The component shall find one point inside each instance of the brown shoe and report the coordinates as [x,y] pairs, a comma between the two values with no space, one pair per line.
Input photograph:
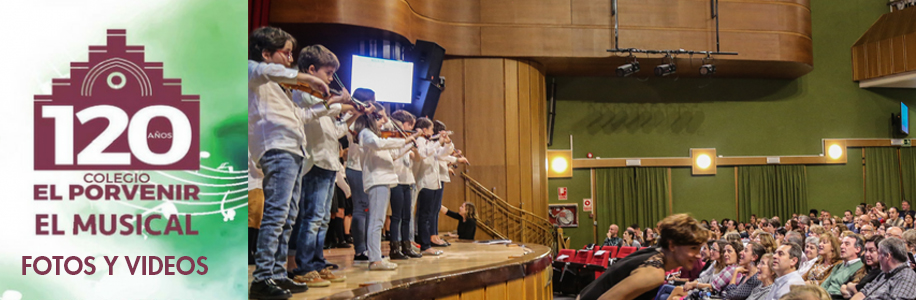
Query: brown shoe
[326,274]
[312,279]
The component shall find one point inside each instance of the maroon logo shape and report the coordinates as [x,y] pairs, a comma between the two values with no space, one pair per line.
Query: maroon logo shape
[117,112]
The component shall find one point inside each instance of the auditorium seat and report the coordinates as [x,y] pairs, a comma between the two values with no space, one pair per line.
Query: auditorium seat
[611,249]
[625,251]
[569,254]
[598,262]
[582,256]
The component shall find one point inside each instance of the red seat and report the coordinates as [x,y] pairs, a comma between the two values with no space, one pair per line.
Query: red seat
[568,252]
[625,251]
[600,259]
[611,249]
[582,256]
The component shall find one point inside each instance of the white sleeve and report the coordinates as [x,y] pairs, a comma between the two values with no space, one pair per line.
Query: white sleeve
[276,72]
[341,126]
[445,153]
[342,183]
[425,148]
[369,141]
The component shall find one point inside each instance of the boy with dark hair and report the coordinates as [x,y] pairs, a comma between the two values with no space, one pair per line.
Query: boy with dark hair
[321,144]
[275,140]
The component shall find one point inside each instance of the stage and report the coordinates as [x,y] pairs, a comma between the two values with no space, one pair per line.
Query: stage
[465,267]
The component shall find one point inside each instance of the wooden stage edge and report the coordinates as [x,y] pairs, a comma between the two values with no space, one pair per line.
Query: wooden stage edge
[467,270]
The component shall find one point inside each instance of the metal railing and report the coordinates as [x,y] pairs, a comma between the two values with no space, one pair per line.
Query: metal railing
[502,220]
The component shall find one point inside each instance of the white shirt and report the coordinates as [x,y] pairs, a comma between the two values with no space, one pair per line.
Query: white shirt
[403,165]
[426,167]
[274,121]
[783,284]
[846,264]
[255,175]
[321,136]
[805,266]
[378,166]
[354,154]
[444,158]
[342,182]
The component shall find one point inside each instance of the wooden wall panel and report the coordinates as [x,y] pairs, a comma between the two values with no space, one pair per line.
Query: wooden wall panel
[524,123]
[898,55]
[513,164]
[534,139]
[531,288]
[499,107]
[452,297]
[525,12]
[910,44]
[542,159]
[763,31]
[478,294]
[497,291]
[516,288]
[461,11]
[485,122]
[452,100]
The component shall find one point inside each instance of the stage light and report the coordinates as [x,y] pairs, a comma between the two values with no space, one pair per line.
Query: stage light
[835,150]
[559,163]
[665,69]
[707,69]
[628,69]
[703,161]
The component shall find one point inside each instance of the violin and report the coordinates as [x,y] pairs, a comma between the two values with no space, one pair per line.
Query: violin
[396,133]
[361,106]
[306,88]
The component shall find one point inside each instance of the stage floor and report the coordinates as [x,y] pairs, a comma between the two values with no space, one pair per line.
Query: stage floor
[459,256]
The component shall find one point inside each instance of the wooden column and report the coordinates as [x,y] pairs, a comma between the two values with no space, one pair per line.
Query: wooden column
[497,109]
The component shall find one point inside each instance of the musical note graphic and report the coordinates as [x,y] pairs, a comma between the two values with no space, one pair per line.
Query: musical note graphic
[167,209]
[227,215]
[225,165]
[213,182]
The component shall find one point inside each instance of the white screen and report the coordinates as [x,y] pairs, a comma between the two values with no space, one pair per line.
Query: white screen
[391,80]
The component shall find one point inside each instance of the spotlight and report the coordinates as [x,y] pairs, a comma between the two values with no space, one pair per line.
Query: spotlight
[665,69]
[707,69]
[628,69]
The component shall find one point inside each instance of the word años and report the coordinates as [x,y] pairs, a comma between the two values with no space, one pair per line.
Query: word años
[147,265]
[159,135]
[109,224]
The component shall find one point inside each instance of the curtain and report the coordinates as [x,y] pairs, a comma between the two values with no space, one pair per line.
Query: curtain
[908,173]
[627,196]
[882,175]
[767,191]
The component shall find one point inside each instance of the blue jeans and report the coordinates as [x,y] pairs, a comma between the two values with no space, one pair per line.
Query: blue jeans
[435,221]
[413,208]
[282,174]
[360,224]
[379,195]
[400,213]
[426,209]
[314,216]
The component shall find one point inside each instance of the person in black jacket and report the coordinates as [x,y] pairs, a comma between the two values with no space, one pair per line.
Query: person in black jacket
[467,219]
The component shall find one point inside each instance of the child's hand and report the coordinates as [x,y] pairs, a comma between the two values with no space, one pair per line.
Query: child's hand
[344,97]
[314,82]
[443,209]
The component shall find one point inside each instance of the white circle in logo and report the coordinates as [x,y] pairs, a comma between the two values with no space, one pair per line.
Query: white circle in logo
[120,84]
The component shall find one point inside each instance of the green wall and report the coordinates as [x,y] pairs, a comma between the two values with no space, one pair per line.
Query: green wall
[663,117]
